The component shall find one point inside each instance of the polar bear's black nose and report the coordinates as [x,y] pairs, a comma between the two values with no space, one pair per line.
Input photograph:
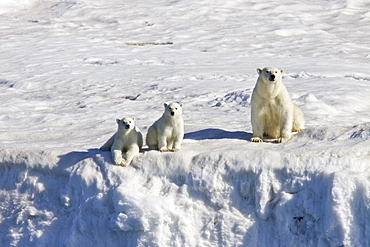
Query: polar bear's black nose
[172,113]
[127,126]
[272,77]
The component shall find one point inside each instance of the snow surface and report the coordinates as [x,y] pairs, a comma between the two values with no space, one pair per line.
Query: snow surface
[70,68]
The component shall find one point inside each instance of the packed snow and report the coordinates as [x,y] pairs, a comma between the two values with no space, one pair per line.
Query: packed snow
[70,68]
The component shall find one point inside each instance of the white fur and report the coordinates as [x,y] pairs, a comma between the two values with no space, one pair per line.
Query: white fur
[167,132]
[126,143]
[273,113]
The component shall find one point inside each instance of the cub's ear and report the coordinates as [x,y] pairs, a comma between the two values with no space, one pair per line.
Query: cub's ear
[181,105]
[165,105]
[282,71]
[117,120]
[259,70]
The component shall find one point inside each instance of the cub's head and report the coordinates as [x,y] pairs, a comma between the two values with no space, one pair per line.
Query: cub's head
[126,123]
[270,74]
[173,109]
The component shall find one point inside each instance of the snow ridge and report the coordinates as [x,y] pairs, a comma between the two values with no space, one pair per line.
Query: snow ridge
[221,198]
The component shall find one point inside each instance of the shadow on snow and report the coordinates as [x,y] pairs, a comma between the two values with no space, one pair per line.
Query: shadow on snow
[214,134]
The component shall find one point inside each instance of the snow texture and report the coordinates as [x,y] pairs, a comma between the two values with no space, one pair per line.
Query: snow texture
[70,68]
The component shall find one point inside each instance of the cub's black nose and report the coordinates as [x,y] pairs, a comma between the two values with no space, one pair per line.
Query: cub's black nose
[272,77]
[172,114]
[127,126]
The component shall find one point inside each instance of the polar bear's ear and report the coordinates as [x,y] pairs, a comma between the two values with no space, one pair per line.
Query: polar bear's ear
[259,71]
[181,105]
[281,71]
[134,118]
[165,105]
[117,120]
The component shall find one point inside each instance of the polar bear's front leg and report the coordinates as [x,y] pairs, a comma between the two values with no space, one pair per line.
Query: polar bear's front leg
[258,124]
[257,135]
[177,143]
[162,143]
[258,127]
[131,153]
[117,157]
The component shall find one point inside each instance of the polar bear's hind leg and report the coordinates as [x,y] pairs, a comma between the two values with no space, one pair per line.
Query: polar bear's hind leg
[298,119]
[152,138]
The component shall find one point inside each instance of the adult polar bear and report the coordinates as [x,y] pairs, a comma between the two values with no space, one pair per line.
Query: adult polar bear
[273,112]
[126,143]
[167,133]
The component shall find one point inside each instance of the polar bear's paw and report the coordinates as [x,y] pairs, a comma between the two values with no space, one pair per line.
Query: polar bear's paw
[123,163]
[175,149]
[256,139]
[165,150]
[282,139]
[279,140]
[297,130]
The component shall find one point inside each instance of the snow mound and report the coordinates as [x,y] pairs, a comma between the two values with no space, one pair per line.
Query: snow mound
[215,198]
[241,98]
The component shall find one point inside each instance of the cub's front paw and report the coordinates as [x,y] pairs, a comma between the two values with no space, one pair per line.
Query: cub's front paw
[123,163]
[297,130]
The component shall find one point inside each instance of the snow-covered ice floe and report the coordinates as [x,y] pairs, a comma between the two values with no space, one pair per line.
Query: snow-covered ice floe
[70,68]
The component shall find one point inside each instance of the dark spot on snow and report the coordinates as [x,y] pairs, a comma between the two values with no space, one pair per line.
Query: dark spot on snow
[147,43]
[298,218]
[361,134]
[131,97]
[148,24]
[31,217]
[7,83]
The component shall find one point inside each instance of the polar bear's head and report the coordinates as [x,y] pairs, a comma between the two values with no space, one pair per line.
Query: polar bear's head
[126,123]
[270,74]
[173,109]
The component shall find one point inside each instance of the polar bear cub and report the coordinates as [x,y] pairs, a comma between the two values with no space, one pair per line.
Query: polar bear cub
[126,143]
[167,133]
[273,112]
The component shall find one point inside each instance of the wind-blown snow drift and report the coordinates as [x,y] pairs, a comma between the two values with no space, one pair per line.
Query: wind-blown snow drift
[70,68]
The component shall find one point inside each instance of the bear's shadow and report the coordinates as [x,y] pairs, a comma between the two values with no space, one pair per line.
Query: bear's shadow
[214,134]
